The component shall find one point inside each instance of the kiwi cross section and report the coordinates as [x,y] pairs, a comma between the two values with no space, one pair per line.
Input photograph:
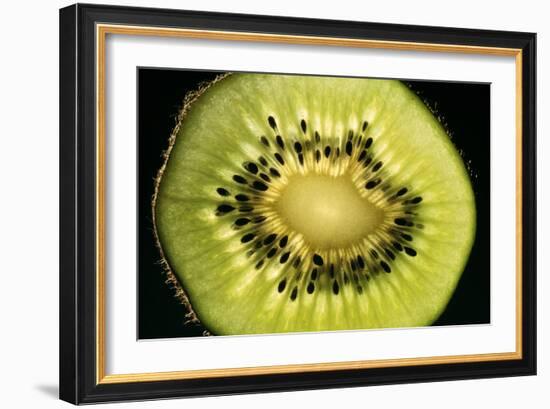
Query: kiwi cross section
[302,203]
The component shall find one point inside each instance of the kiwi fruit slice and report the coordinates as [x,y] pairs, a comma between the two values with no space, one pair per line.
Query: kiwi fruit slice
[304,203]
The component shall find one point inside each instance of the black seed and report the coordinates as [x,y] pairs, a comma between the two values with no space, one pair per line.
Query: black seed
[270,239]
[282,286]
[350,135]
[374,253]
[337,151]
[327,151]
[349,148]
[301,158]
[359,140]
[245,209]
[360,289]
[242,198]
[274,172]
[367,162]
[297,147]
[389,254]
[279,159]
[262,160]
[385,266]
[407,237]
[259,264]
[284,257]
[297,262]
[353,265]
[317,260]
[400,221]
[225,208]
[376,167]
[365,124]
[259,185]
[239,179]
[250,253]
[368,143]
[372,184]
[258,244]
[251,167]
[271,252]
[410,252]
[401,191]
[283,241]
[335,288]
[416,200]
[265,177]
[360,262]
[272,122]
[310,288]
[397,246]
[317,155]
[331,270]
[346,279]
[242,221]
[247,237]
[264,140]
[314,274]
[259,219]
[294,294]
[362,156]
[222,192]
[303,125]
[280,141]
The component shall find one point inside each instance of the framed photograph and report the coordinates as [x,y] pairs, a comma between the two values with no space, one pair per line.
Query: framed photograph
[257,203]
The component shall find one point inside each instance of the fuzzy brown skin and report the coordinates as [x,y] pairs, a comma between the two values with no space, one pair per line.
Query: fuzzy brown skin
[171,279]
[432,106]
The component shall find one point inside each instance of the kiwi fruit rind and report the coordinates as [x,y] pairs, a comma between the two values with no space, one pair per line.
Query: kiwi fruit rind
[303,203]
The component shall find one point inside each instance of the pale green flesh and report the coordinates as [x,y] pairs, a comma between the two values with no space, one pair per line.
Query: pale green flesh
[222,131]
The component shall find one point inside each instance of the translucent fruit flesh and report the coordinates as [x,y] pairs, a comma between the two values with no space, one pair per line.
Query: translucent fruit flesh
[294,203]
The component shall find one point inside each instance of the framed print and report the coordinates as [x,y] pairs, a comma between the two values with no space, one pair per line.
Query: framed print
[253,203]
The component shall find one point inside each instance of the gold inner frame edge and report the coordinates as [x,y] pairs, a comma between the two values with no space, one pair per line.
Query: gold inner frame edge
[101,33]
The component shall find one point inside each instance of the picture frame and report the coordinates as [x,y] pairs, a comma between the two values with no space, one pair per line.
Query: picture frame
[84,281]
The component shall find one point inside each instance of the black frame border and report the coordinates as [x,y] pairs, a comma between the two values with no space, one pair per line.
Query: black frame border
[78,197]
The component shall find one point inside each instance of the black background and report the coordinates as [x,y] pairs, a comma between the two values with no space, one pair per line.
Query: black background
[464,108]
